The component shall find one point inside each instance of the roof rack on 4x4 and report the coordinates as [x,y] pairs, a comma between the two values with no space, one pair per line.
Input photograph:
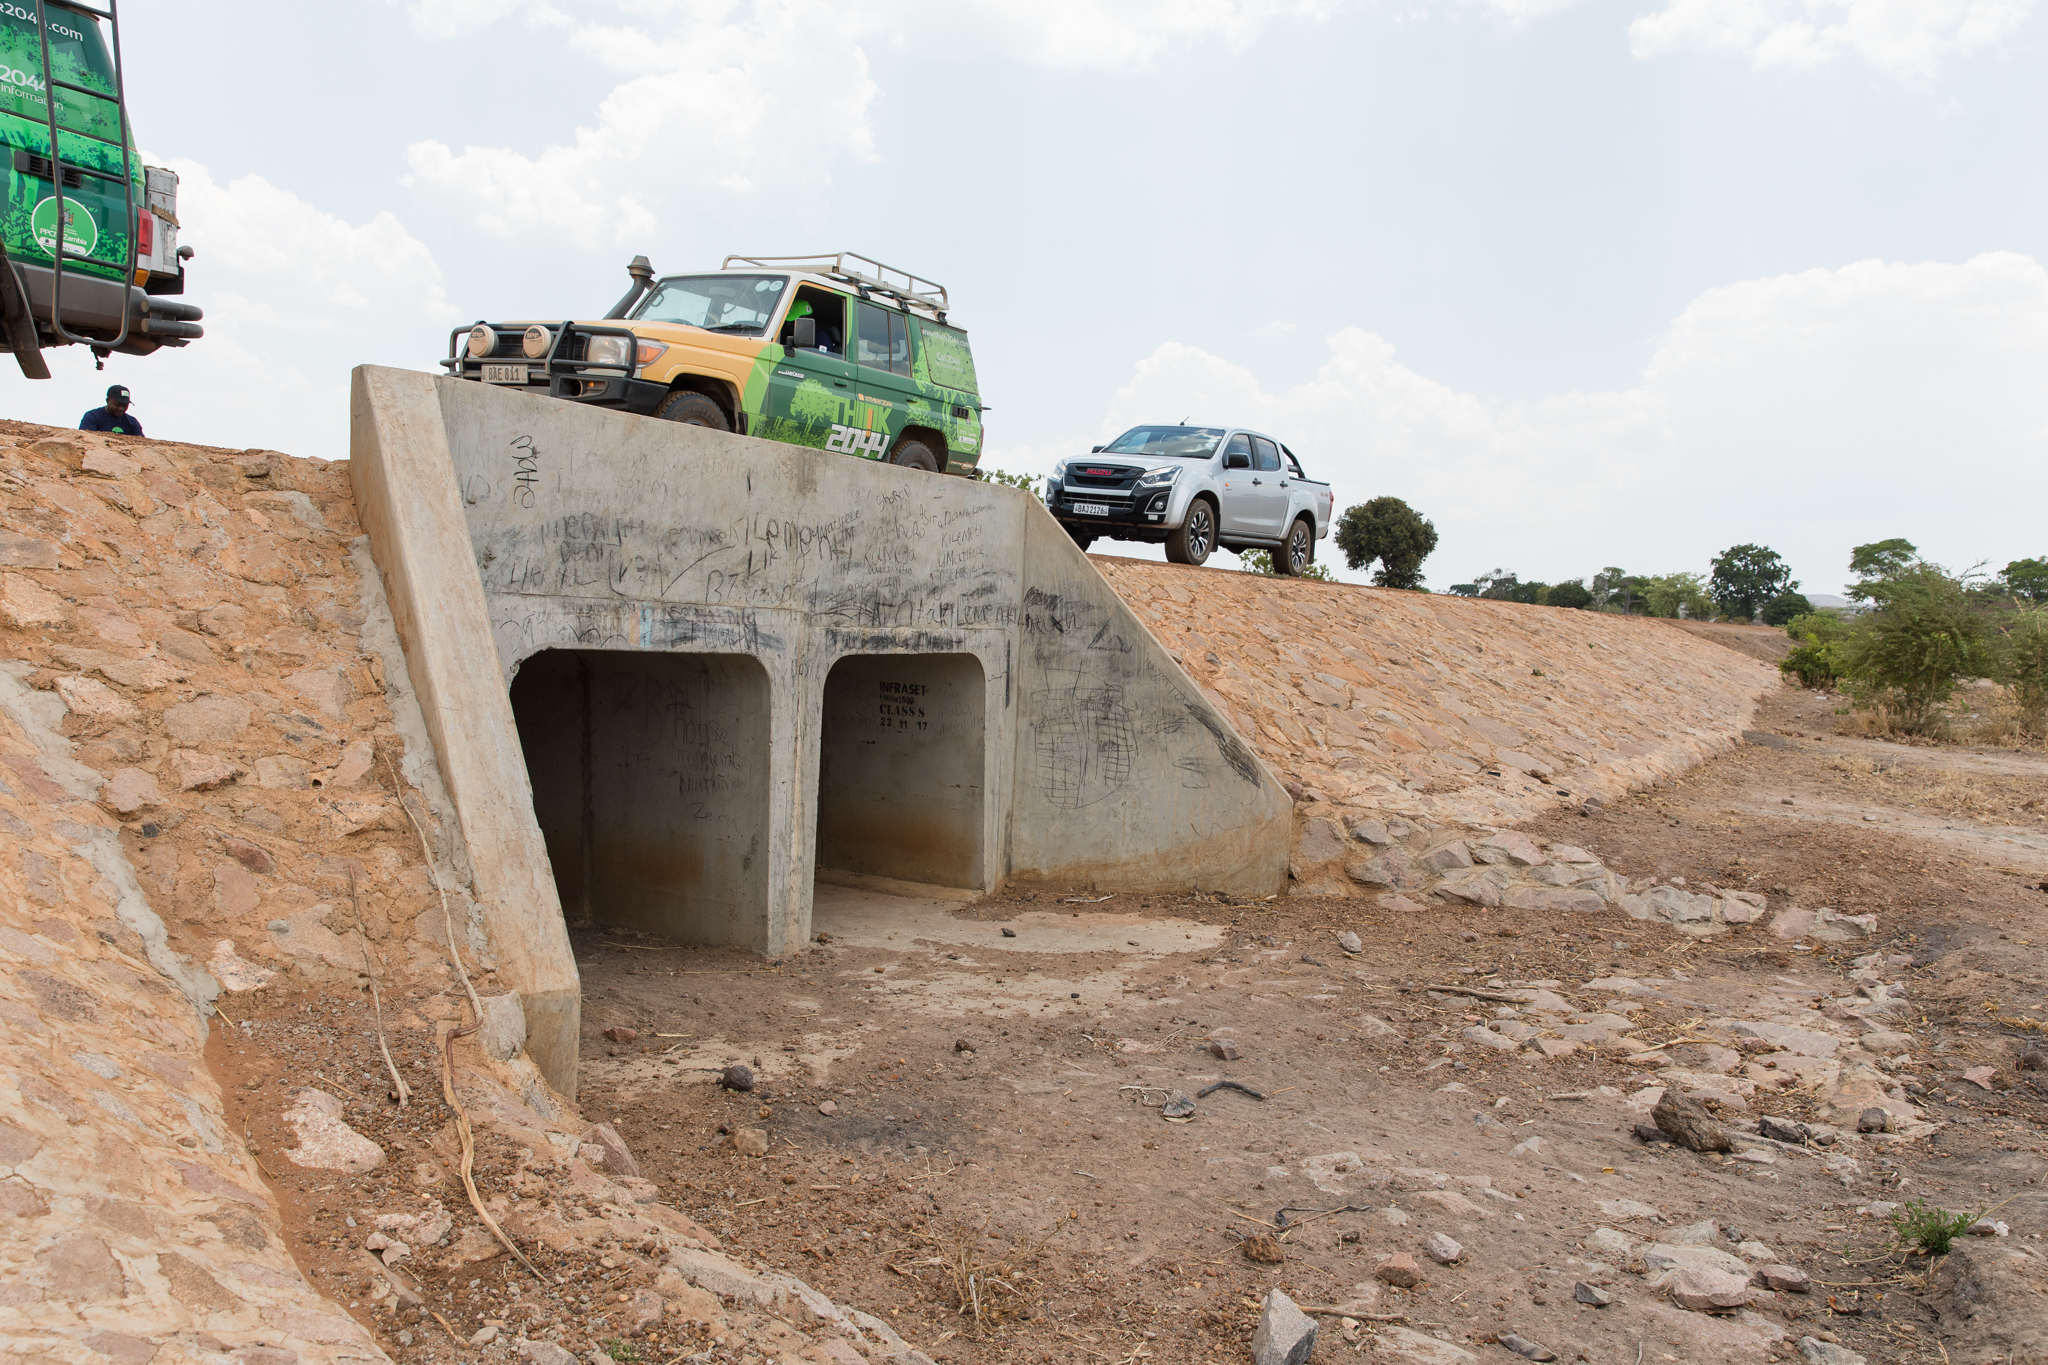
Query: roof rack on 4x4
[912,291]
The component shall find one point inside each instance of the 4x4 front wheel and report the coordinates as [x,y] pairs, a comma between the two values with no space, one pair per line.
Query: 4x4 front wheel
[1298,551]
[1194,538]
[692,409]
[914,454]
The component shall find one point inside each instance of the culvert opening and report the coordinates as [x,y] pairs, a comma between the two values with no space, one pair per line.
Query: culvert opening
[650,779]
[900,757]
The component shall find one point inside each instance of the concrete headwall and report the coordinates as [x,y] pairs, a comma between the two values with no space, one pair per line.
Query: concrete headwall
[509,526]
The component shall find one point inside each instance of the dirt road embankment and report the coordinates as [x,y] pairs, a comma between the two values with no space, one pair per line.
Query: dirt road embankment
[1444,713]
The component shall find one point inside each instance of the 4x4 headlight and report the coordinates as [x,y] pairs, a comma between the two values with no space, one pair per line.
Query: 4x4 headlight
[1160,477]
[609,351]
[534,344]
[483,340]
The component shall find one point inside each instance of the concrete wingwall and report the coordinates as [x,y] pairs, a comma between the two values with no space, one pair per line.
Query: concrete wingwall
[733,627]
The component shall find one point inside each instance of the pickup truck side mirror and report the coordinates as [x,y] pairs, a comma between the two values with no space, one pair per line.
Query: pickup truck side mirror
[1236,459]
[1094,450]
[803,334]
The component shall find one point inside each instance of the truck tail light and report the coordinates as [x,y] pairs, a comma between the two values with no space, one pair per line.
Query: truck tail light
[145,233]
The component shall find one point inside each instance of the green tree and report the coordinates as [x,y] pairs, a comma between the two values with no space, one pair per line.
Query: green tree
[1615,589]
[2026,579]
[1673,595]
[1571,594]
[1879,560]
[1747,576]
[1926,637]
[1785,608]
[1464,590]
[1261,562]
[1027,482]
[1393,533]
[1534,594]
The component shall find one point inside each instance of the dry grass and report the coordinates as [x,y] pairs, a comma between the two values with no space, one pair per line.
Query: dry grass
[1974,796]
[988,1286]
[1981,714]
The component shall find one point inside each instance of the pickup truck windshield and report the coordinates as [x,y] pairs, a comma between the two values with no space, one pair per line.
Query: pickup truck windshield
[739,305]
[1188,443]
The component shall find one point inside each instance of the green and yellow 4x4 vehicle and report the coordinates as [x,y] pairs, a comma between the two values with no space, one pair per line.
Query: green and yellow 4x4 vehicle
[88,235]
[835,352]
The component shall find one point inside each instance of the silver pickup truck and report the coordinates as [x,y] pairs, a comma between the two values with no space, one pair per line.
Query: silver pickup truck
[1194,489]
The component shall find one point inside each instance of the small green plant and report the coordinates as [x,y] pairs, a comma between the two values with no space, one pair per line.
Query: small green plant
[618,1348]
[1934,1230]
[1261,561]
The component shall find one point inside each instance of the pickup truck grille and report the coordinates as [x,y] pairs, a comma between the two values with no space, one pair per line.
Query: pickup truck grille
[1101,477]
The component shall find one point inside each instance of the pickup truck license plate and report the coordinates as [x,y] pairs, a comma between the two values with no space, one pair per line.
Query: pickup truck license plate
[505,374]
[1091,509]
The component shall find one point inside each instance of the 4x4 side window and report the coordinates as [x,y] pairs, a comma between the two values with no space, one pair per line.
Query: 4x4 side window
[827,310]
[1265,455]
[1238,453]
[884,340]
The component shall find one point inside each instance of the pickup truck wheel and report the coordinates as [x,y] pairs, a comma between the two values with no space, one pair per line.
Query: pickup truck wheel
[692,410]
[1293,558]
[1194,538]
[914,455]
[1080,537]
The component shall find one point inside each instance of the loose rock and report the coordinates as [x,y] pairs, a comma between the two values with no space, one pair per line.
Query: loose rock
[1785,1279]
[1874,1120]
[1443,1250]
[1223,1048]
[1710,1291]
[1179,1105]
[1350,942]
[1686,1122]
[1591,1294]
[829,1108]
[737,1077]
[1263,1249]
[1522,1346]
[1286,1335]
[1399,1270]
[1818,1352]
[622,1034]
[750,1141]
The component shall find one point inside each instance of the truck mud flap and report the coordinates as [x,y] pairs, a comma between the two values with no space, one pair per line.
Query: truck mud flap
[19,323]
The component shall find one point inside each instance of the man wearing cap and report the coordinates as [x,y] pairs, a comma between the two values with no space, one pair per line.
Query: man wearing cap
[114,417]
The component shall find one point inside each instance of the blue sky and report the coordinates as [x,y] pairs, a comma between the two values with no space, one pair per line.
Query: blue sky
[1588,283]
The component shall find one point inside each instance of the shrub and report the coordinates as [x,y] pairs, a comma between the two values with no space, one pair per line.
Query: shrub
[1785,608]
[1027,482]
[1818,653]
[1570,594]
[1924,640]
[2023,666]
[1934,1229]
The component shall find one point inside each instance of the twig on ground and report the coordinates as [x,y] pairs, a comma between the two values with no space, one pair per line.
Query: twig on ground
[398,1085]
[1498,997]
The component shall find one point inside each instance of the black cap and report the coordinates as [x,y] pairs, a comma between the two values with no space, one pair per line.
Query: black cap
[117,393]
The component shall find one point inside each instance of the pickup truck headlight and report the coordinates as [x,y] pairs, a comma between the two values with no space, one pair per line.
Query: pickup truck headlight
[1059,473]
[1160,477]
[610,351]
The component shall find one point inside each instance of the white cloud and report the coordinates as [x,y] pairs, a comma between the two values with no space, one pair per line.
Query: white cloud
[761,103]
[1275,328]
[1810,412]
[294,298]
[1908,40]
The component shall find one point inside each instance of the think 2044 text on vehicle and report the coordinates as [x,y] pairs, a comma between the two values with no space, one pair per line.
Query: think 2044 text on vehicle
[836,352]
[1194,490]
[89,235]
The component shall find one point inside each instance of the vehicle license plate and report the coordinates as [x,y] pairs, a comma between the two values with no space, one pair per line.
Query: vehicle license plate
[505,374]
[1091,509]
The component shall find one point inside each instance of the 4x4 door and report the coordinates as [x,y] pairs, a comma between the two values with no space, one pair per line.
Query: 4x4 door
[812,390]
[1262,501]
[883,382]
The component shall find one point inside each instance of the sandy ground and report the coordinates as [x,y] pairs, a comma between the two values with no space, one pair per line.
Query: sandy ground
[942,1099]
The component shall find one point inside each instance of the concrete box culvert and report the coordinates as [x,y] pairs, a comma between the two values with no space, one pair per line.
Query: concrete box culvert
[733,645]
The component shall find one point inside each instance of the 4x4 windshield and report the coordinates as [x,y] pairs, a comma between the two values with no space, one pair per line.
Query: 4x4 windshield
[1188,443]
[741,305]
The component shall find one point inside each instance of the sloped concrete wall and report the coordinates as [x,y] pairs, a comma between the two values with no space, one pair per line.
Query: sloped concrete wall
[510,525]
